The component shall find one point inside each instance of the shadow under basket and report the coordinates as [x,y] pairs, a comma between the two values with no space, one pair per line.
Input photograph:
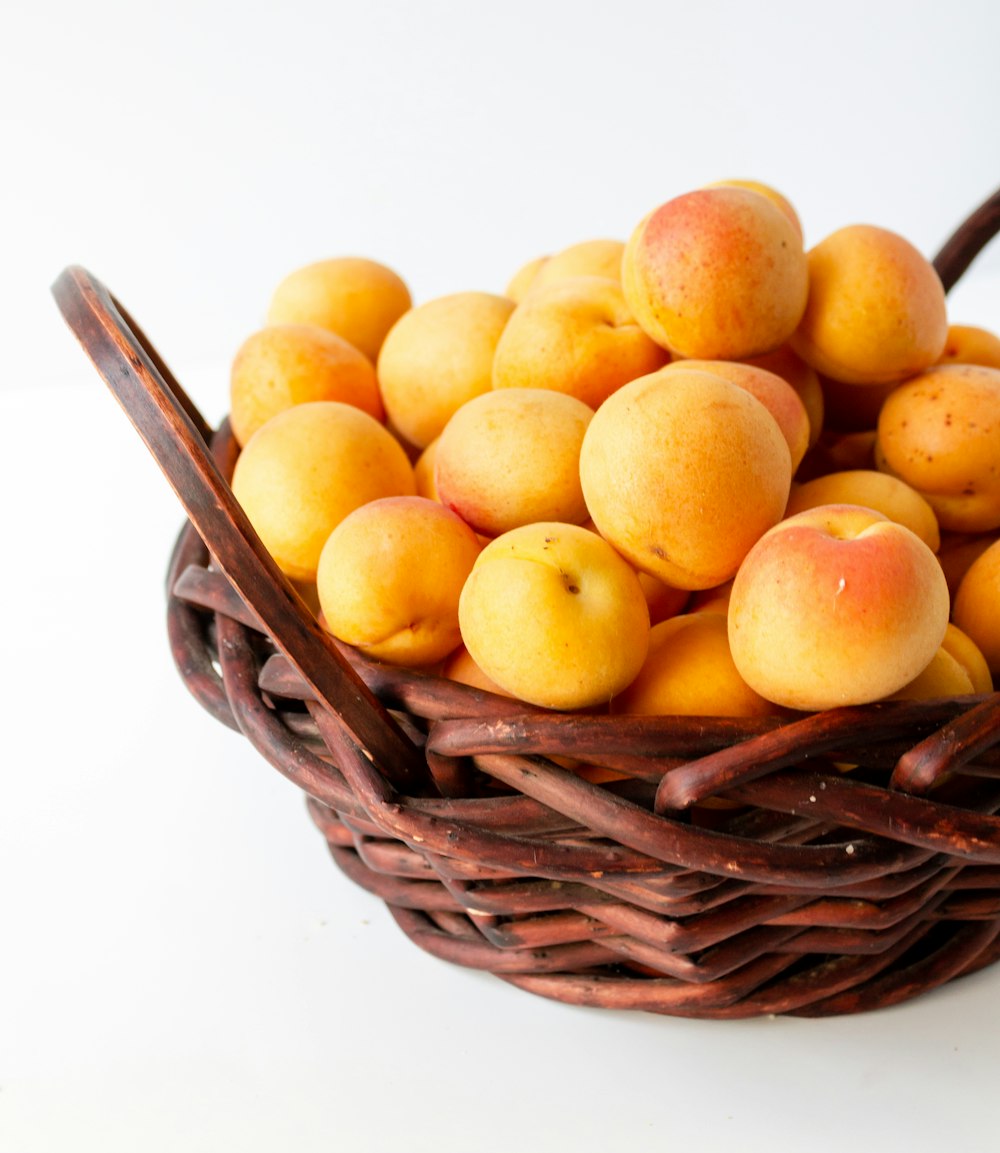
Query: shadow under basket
[812,891]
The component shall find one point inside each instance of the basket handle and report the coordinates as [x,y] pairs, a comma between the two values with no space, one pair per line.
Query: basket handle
[177,436]
[967,241]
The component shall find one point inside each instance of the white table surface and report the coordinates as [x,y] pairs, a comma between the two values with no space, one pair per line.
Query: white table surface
[183,967]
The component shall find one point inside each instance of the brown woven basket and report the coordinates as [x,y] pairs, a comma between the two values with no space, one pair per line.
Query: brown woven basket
[816,893]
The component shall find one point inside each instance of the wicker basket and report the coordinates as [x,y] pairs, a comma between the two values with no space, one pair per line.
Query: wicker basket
[816,893]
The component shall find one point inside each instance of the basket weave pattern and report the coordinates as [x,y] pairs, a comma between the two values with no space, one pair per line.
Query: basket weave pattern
[821,893]
[831,864]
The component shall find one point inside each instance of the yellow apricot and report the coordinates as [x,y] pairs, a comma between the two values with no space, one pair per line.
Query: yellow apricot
[423,472]
[682,472]
[357,298]
[876,309]
[389,578]
[976,610]
[969,344]
[588,258]
[943,677]
[940,432]
[957,552]
[957,669]
[872,489]
[300,474]
[436,357]
[520,283]
[663,600]
[555,616]
[968,654]
[575,336]
[690,672]
[462,668]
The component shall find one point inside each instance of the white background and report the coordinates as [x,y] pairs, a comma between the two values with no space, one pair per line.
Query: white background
[181,967]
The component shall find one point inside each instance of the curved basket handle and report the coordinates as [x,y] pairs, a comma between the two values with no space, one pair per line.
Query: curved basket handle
[967,241]
[177,436]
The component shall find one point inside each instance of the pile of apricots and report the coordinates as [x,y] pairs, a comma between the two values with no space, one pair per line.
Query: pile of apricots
[705,471]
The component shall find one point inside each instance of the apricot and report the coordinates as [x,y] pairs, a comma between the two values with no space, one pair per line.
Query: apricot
[682,472]
[717,274]
[836,606]
[587,258]
[968,654]
[555,616]
[970,344]
[663,600]
[943,677]
[690,672]
[423,472]
[957,669]
[940,432]
[462,668]
[520,283]
[389,578]
[977,606]
[876,310]
[787,364]
[288,364]
[872,489]
[774,393]
[436,357]
[301,473]
[356,298]
[777,199]
[956,553]
[711,600]
[575,336]
[511,457]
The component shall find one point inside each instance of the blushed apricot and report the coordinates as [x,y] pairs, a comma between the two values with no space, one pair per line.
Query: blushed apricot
[787,364]
[512,456]
[836,606]
[773,392]
[287,364]
[717,274]
[777,199]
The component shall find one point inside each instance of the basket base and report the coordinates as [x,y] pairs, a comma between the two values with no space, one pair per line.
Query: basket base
[572,958]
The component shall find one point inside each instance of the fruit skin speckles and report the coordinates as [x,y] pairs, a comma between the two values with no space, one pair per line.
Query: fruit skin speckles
[717,274]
